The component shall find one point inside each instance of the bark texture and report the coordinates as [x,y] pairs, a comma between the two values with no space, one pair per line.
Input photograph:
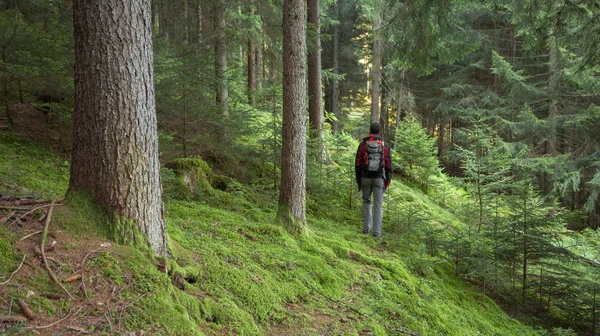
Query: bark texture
[335,87]
[315,90]
[251,72]
[222,94]
[115,141]
[292,197]
[376,71]
[553,108]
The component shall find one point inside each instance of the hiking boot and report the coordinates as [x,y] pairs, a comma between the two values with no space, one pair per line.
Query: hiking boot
[365,231]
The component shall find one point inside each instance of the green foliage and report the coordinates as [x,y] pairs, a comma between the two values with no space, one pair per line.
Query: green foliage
[415,153]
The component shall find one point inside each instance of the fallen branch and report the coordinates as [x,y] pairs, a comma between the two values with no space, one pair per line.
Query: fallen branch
[37,208]
[42,248]
[12,319]
[13,273]
[21,202]
[30,235]
[591,262]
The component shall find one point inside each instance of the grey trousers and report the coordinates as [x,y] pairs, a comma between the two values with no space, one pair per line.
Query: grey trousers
[372,218]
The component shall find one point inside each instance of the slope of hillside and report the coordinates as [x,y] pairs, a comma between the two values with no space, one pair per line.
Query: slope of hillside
[234,271]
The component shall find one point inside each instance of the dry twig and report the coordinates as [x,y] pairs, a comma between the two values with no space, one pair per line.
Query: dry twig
[38,208]
[30,235]
[54,323]
[7,217]
[42,247]
[13,273]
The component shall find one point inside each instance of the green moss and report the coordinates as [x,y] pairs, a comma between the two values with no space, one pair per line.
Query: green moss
[235,271]
[27,168]
[221,182]
[192,173]
[7,255]
[109,265]
[41,305]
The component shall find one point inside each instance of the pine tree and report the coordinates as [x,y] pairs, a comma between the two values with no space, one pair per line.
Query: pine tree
[115,141]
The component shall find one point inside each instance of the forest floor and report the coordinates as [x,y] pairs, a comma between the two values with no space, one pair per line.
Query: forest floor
[233,270]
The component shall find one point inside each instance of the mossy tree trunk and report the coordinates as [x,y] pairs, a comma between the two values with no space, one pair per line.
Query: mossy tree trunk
[292,196]
[115,141]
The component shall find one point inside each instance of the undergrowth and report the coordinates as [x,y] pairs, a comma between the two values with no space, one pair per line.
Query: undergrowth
[234,271]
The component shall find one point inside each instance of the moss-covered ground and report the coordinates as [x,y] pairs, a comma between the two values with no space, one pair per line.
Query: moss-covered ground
[233,270]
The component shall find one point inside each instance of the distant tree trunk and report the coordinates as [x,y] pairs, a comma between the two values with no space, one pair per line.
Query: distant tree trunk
[335,87]
[441,139]
[376,72]
[553,76]
[258,60]
[115,139]
[9,117]
[384,112]
[251,72]
[315,91]
[292,196]
[199,23]
[525,251]
[220,41]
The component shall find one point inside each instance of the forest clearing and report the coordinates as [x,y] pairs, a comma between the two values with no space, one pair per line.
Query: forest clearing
[187,167]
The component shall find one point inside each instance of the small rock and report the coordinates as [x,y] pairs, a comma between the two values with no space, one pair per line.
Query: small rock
[30,293]
[105,245]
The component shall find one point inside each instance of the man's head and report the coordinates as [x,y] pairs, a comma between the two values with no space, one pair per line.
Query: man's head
[375,128]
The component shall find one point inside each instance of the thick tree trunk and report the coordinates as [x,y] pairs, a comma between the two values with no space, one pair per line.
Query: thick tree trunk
[222,94]
[335,87]
[292,196]
[376,71]
[251,72]
[315,90]
[115,141]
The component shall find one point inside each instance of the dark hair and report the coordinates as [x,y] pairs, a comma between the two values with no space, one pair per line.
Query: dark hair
[375,128]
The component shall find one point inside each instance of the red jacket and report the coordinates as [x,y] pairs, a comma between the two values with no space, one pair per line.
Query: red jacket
[359,166]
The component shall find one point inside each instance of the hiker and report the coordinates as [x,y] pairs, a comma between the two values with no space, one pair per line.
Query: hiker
[373,167]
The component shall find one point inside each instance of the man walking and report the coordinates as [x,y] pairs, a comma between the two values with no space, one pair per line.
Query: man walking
[373,167]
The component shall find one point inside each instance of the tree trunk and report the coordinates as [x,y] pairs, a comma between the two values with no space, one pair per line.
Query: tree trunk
[376,72]
[525,251]
[115,140]
[258,60]
[553,76]
[335,86]
[251,72]
[292,198]
[222,94]
[315,93]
